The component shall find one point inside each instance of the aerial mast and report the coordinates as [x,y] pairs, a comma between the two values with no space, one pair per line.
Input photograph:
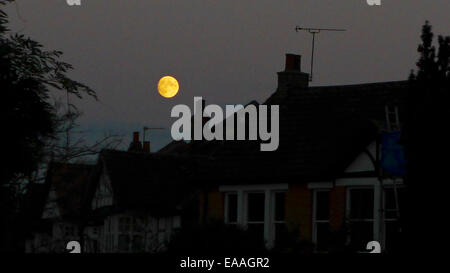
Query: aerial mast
[315,31]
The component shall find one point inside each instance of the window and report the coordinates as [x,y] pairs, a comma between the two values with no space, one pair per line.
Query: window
[177,222]
[138,224]
[361,217]
[131,234]
[70,231]
[392,230]
[161,224]
[255,213]
[137,243]
[321,219]
[124,224]
[259,208]
[231,208]
[281,232]
[124,242]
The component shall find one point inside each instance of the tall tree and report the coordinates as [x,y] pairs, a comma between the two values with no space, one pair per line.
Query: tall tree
[35,126]
[28,74]
[426,136]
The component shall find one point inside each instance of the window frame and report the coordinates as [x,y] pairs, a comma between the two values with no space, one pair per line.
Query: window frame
[315,221]
[375,213]
[242,203]
[227,208]
[273,208]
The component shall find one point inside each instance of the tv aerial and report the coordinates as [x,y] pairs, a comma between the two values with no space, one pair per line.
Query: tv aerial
[145,128]
[315,31]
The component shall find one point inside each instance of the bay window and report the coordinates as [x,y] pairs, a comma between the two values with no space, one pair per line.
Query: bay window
[258,208]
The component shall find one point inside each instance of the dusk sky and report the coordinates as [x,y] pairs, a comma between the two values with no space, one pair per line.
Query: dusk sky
[226,51]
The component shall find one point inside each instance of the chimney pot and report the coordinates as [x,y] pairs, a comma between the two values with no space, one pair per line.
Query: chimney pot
[135,145]
[293,62]
[135,136]
[146,147]
[292,78]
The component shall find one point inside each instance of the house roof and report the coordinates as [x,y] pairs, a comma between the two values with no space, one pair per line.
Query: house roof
[69,182]
[159,183]
[322,130]
[174,147]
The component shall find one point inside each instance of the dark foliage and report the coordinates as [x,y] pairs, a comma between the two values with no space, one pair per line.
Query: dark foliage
[426,136]
[28,74]
[216,239]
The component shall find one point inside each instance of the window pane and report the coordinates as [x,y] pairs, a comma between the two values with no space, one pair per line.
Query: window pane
[280,206]
[124,241]
[232,208]
[161,224]
[137,243]
[322,205]
[256,207]
[323,235]
[389,202]
[138,224]
[124,224]
[361,204]
[361,234]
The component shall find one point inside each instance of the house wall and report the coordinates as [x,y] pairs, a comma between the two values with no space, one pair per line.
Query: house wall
[299,210]
[299,202]
[214,205]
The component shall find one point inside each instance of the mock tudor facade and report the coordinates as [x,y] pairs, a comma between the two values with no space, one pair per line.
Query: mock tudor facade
[134,205]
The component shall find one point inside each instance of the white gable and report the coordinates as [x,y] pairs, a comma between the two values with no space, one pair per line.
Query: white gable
[103,194]
[363,162]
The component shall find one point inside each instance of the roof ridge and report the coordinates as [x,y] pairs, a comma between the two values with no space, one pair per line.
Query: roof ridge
[359,84]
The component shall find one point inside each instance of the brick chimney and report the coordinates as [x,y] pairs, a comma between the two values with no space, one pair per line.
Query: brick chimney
[135,145]
[292,77]
[146,147]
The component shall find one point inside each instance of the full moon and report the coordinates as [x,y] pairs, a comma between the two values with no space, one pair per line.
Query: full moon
[168,86]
